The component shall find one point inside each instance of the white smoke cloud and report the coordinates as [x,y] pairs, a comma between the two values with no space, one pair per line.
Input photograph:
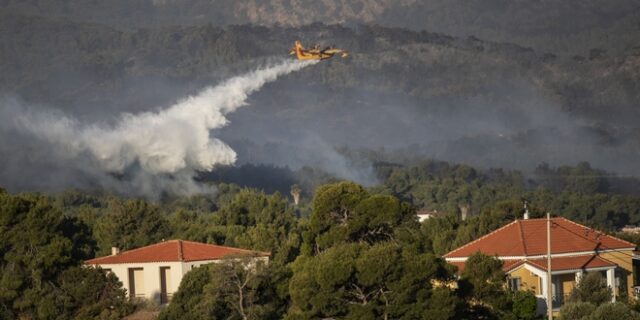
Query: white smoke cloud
[172,143]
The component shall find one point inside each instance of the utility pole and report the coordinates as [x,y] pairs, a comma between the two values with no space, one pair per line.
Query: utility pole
[549,289]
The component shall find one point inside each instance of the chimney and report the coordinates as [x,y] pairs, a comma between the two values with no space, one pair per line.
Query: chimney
[115,251]
[526,211]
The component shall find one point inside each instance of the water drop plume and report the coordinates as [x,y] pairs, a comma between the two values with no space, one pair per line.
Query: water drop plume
[175,142]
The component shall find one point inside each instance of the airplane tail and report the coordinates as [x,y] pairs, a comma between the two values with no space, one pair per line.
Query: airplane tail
[298,48]
[294,49]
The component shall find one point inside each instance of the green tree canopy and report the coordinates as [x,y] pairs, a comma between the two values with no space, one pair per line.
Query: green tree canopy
[249,208]
[591,288]
[90,293]
[40,250]
[614,310]
[483,281]
[524,305]
[231,289]
[131,224]
[578,310]
[345,212]
[363,281]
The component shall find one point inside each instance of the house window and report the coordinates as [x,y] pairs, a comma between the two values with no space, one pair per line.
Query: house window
[514,284]
[621,281]
[165,282]
[136,283]
[636,272]
[540,285]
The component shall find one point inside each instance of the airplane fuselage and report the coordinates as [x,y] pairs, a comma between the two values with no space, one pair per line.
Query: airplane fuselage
[316,54]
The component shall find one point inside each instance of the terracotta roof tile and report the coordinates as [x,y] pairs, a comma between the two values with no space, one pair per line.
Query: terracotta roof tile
[510,264]
[506,264]
[528,238]
[557,264]
[175,250]
[572,263]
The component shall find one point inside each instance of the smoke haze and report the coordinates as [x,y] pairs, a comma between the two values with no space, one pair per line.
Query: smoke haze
[401,95]
[144,153]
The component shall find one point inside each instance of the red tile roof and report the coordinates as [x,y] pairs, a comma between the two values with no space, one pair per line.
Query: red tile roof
[529,238]
[571,263]
[175,250]
[557,264]
[510,264]
[506,265]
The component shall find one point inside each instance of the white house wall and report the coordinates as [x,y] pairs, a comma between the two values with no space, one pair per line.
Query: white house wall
[192,264]
[187,266]
[151,272]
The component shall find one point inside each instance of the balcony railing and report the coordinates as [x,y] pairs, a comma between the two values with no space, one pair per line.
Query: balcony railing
[558,301]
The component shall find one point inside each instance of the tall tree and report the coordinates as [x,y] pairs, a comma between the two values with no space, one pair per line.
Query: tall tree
[40,250]
[131,224]
[362,281]
[355,265]
[90,293]
[482,281]
[591,288]
[236,288]
[345,212]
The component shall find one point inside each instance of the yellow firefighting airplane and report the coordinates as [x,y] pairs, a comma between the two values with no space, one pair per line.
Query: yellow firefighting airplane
[315,53]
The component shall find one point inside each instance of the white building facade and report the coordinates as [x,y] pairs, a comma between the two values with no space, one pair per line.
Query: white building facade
[154,272]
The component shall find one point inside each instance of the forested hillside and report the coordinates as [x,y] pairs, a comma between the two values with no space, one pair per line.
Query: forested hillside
[465,100]
[566,27]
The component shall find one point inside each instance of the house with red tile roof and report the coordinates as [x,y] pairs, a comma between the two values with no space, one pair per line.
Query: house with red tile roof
[575,249]
[154,272]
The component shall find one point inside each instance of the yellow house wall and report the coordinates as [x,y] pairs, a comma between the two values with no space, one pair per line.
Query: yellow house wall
[528,280]
[624,261]
[568,282]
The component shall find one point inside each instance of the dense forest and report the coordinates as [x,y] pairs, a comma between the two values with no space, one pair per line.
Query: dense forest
[374,260]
